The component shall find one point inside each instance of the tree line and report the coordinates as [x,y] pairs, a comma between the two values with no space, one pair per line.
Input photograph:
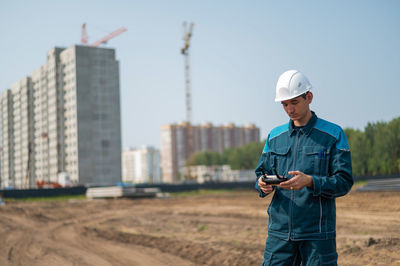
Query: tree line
[374,151]
[244,157]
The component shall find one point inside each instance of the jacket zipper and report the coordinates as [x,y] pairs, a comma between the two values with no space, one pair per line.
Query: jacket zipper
[292,192]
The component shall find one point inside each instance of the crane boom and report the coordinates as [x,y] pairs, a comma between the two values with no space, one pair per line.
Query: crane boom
[109,36]
[187,34]
[84,37]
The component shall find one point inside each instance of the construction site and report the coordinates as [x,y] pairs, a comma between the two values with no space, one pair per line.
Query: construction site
[220,228]
[63,200]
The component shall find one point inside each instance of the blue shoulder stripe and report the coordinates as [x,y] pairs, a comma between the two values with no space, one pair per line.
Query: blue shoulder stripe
[333,130]
[279,130]
[266,147]
[275,133]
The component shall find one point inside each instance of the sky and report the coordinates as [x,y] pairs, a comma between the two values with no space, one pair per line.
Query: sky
[349,50]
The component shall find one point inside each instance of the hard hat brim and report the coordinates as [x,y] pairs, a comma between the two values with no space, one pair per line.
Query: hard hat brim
[290,97]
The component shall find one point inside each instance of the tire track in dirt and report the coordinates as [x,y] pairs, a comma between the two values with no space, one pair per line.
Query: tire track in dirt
[38,239]
[200,254]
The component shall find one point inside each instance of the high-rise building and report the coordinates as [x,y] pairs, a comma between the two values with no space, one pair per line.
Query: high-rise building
[141,165]
[180,141]
[64,117]
[7,157]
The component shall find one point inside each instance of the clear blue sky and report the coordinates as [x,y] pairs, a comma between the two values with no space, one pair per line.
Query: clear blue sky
[350,51]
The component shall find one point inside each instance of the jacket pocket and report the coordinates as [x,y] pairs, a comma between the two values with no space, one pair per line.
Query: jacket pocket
[279,159]
[315,160]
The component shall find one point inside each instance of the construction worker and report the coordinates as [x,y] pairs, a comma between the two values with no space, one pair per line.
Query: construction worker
[314,155]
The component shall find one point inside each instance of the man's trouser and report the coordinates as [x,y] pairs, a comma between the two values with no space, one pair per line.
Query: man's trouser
[304,252]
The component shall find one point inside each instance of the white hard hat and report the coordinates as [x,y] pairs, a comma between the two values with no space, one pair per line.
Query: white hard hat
[291,84]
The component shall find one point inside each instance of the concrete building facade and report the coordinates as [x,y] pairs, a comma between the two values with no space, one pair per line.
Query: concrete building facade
[7,156]
[141,165]
[65,117]
[180,141]
[22,118]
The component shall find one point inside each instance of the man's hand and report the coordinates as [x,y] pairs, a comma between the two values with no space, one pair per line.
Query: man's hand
[266,188]
[298,181]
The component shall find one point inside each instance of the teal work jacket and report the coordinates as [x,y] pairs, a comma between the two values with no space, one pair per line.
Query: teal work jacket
[318,149]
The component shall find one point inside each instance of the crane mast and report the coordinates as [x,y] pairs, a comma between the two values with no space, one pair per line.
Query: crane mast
[187,34]
[84,39]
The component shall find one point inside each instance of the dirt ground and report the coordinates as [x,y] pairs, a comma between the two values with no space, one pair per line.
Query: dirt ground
[226,228]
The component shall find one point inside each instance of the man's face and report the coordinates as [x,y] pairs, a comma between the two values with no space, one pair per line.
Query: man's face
[298,108]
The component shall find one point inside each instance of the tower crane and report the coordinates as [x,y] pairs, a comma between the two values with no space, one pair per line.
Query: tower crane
[84,39]
[187,34]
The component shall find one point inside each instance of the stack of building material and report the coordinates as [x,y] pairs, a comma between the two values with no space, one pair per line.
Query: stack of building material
[392,184]
[122,192]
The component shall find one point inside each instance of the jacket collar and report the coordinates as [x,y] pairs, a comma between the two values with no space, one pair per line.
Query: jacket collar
[307,128]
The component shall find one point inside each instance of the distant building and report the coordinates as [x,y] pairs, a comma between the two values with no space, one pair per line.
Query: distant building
[141,165]
[180,141]
[64,117]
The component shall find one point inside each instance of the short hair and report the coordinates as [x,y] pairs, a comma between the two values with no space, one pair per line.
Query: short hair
[304,95]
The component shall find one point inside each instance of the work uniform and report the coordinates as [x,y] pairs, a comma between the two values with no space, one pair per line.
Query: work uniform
[302,220]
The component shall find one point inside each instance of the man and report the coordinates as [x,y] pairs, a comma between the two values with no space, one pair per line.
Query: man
[314,155]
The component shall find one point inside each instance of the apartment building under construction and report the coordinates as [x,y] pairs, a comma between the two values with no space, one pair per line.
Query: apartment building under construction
[64,117]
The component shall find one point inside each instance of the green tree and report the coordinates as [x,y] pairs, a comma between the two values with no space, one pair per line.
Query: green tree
[204,158]
[244,157]
[359,151]
[382,147]
[393,139]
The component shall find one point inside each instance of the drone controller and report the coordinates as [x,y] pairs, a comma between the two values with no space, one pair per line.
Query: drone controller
[273,179]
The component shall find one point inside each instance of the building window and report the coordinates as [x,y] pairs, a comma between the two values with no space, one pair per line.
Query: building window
[105,144]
